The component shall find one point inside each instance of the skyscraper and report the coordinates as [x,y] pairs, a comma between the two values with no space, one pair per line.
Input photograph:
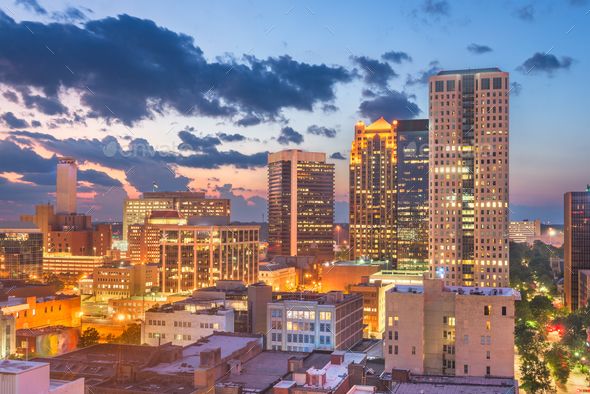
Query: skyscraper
[300,204]
[576,247]
[21,250]
[373,191]
[412,193]
[65,195]
[468,179]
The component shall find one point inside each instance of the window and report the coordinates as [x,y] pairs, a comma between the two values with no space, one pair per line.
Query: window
[452,321]
[439,86]
[482,340]
[450,86]
[395,336]
[413,350]
[395,349]
[390,335]
[488,355]
[465,368]
[390,321]
[488,370]
[497,83]
[485,83]
[487,309]
[503,311]
[390,349]
[488,325]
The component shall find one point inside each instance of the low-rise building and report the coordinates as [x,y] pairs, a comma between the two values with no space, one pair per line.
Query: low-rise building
[27,377]
[7,335]
[450,330]
[134,308]
[280,276]
[124,280]
[185,322]
[340,275]
[307,321]
[373,294]
[47,341]
[36,312]
[68,264]
[524,231]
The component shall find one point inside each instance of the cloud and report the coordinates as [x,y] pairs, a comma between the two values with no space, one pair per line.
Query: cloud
[13,158]
[35,123]
[392,105]
[515,88]
[545,63]
[526,12]
[422,77]
[288,136]
[329,108]
[10,96]
[155,70]
[231,137]
[374,72]
[13,122]
[192,142]
[33,6]
[70,15]
[322,131]
[249,120]
[396,57]
[478,49]
[243,209]
[98,178]
[337,156]
[46,105]
[436,8]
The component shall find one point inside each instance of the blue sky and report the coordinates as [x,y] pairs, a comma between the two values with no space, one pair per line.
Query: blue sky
[75,82]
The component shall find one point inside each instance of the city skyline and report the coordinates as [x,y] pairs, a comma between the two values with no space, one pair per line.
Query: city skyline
[123,126]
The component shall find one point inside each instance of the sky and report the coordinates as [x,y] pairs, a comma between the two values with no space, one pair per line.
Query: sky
[193,95]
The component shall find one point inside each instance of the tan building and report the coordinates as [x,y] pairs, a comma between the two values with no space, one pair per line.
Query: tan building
[449,330]
[66,264]
[66,184]
[124,280]
[524,231]
[468,179]
[373,191]
[189,204]
[373,306]
[280,276]
[300,204]
[37,312]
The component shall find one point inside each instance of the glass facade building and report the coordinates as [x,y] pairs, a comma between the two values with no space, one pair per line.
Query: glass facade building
[576,250]
[412,194]
[21,251]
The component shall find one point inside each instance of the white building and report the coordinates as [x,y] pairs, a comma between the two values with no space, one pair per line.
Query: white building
[7,335]
[28,377]
[185,322]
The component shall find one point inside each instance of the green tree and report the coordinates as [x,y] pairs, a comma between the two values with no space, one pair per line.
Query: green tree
[535,375]
[89,337]
[131,335]
[558,360]
[541,308]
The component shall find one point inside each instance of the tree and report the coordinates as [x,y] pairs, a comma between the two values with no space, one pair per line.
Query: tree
[89,337]
[536,377]
[558,360]
[131,335]
[541,308]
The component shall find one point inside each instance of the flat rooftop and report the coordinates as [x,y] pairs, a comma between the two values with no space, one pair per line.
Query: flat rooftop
[15,367]
[462,290]
[191,354]
[335,373]
[455,384]
[468,71]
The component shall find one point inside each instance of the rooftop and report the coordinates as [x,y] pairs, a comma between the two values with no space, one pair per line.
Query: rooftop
[379,125]
[470,71]
[462,290]
[18,225]
[430,384]
[335,373]
[17,366]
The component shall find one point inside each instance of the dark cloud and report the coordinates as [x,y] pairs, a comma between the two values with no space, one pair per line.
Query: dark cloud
[322,131]
[422,77]
[249,120]
[391,105]
[13,122]
[329,108]
[337,156]
[374,72]
[436,8]
[13,158]
[154,70]
[231,137]
[244,209]
[288,136]
[396,57]
[70,15]
[46,105]
[98,178]
[526,12]
[36,123]
[545,63]
[33,6]
[10,96]
[515,88]
[478,49]
[194,143]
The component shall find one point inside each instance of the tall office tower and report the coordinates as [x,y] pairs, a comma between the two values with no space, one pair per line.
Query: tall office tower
[373,191]
[468,178]
[189,204]
[300,204]
[576,248]
[65,195]
[412,194]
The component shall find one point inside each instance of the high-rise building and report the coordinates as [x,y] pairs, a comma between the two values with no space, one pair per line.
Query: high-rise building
[468,178]
[300,204]
[21,251]
[576,250]
[67,179]
[373,191]
[450,330]
[189,204]
[412,194]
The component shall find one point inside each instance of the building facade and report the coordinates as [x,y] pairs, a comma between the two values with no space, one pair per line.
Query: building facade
[468,178]
[412,194]
[373,191]
[576,247]
[184,323]
[524,231]
[304,322]
[124,281]
[300,204]
[188,204]
[21,251]
[449,330]
[280,276]
[373,294]
[66,185]
[37,312]
[66,264]
[7,335]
